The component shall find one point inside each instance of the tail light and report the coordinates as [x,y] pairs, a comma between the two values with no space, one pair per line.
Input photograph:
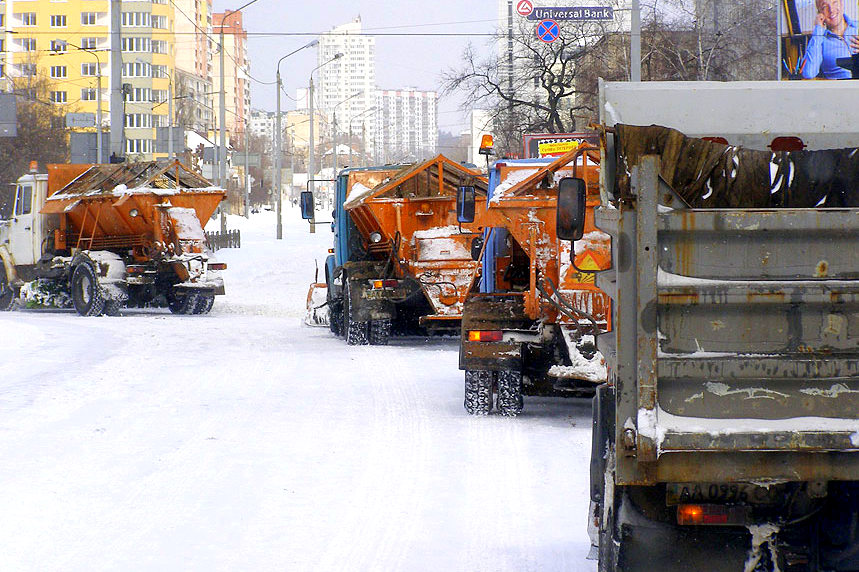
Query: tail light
[484,335]
[380,284]
[711,514]
[135,269]
[217,266]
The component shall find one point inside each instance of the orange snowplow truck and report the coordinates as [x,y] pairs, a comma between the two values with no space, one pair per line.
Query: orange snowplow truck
[400,259]
[100,237]
[532,327]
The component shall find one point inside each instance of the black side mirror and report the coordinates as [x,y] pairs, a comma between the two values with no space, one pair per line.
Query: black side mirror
[477,247]
[307,205]
[572,201]
[465,204]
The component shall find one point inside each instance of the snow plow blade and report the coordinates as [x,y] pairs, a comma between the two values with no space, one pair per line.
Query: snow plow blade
[316,313]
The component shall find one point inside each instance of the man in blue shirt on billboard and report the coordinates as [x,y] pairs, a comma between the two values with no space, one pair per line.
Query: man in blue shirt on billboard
[833,37]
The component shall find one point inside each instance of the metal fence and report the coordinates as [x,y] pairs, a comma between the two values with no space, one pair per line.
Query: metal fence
[229,239]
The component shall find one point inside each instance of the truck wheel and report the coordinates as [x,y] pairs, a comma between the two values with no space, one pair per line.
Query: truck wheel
[356,332]
[112,307]
[335,317]
[478,391]
[380,331]
[87,295]
[7,294]
[510,400]
[204,304]
[181,302]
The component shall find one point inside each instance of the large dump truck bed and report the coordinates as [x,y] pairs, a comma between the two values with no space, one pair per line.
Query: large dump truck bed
[737,336]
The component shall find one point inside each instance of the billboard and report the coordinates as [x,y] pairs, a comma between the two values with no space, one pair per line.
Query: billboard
[818,38]
[555,144]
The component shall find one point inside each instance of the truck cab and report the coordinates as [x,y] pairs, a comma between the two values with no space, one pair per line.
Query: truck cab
[24,234]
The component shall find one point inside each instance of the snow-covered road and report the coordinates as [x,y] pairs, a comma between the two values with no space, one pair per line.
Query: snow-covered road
[244,440]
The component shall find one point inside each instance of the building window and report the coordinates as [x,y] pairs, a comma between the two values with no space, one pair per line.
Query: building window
[136,69]
[28,44]
[27,69]
[160,47]
[89,43]
[59,46]
[140,95]
[88,18]
[89,69]
[28,19]
[58,21]
[138,145]
[2,70]
[159,95]
[88,94]
[159,22]
[58,72]
[136,19]
[159,71]
[136,45]
[58,96]
[138,120]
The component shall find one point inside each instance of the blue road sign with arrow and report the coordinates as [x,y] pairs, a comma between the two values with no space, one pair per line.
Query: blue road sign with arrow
[548,31]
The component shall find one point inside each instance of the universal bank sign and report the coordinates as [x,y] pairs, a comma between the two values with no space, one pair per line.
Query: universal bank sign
[569,13]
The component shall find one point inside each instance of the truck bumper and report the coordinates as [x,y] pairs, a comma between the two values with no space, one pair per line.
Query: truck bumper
[491,356]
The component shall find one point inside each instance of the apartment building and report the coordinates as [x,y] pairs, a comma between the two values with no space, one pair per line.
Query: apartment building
[347,85]
[194,51]
[236,68]
[407,121]
[59,51]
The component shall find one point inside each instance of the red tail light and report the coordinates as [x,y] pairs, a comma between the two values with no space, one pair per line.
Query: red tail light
[380,284]
[711,514]
[484,335]
[217,266]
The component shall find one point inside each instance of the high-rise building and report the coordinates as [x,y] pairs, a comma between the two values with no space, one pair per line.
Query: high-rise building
[236,69]
[58,50]
[262,124]
[346,86]
[194,49]
[407,122]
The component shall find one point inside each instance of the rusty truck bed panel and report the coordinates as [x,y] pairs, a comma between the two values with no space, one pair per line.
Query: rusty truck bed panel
[737,337]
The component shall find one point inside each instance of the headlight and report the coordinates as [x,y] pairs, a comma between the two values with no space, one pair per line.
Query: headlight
[375,237]
[133,213]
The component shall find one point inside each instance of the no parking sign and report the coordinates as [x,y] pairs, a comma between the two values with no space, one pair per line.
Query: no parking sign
[548,31]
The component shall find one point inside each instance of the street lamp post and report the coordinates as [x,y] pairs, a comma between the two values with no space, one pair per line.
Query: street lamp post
[310,165]
[278,142]
[222,100]
[335,128]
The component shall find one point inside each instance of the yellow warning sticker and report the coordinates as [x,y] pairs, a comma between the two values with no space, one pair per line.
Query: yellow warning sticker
[587,263]
[557,147]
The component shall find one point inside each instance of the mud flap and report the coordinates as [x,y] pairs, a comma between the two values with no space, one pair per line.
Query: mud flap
[316,310]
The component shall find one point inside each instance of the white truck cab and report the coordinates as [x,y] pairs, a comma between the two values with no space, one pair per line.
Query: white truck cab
[23,234]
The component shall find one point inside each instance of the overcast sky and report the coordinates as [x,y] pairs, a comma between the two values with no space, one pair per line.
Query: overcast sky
[400,60]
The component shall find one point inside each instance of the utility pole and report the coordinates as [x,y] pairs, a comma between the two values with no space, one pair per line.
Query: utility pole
[310,165]
[245,187]
[635,43]
[117,121]
[170,154]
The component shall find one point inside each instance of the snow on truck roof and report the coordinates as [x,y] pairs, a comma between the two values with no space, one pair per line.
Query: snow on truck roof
[151,177]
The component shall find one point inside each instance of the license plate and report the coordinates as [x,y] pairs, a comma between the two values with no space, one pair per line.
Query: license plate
[721,493]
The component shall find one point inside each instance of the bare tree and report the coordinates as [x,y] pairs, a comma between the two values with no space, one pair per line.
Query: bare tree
[540,95]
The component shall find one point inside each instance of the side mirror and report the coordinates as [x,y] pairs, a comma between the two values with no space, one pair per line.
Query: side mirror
[307,205]
[572,200]
[465,204]
[477,247]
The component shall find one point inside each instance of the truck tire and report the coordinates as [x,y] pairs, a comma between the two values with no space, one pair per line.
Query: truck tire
[112,307]
[7,293]
[181,302]
[204,304]
[478,391]
[509,401]
[87,296]
[335,317]
[356,332]
[380,331]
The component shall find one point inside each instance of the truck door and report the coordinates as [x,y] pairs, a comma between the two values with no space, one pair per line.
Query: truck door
[23,238]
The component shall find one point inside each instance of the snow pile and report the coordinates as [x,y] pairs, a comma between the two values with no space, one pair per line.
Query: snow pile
[185,223]
[513,178]
[591,369]
[438,232]
[356,194]
[762,534]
